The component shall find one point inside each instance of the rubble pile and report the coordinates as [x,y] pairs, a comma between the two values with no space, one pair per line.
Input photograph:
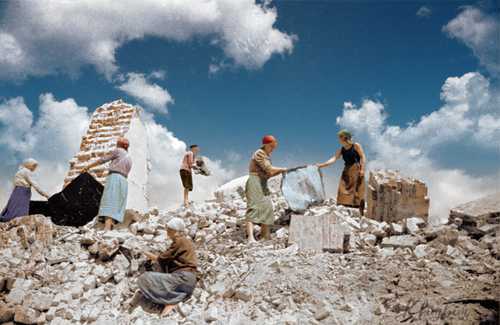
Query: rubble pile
[392,272]
[392,198]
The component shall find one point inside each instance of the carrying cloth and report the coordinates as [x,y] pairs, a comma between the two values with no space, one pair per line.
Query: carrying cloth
[18,204]
[167,288]
[259,204]
[114,197]
[351,191]
[78,203]
[39,207]
[302,187]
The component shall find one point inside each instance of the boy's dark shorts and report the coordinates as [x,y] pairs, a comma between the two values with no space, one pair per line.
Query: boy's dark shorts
[187,179]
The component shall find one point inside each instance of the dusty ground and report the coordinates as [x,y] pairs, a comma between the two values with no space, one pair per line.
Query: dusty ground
[62,275]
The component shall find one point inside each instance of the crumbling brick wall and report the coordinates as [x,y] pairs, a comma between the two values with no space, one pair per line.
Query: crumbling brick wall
[392,198]
[109,122]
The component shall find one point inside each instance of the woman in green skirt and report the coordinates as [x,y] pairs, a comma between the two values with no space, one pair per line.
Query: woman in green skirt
[259,205]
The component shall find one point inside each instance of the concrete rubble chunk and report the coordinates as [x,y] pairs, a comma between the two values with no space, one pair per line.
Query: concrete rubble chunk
[479,212]
[420,251]
[403,241]
[6,313]
[392,198]
[414,224]
[108,248]
[319,233]
[25,315]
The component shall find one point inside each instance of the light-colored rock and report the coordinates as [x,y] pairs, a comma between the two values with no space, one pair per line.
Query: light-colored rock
[25,315]
[414,224]
[479,212]
[403,241]
[392,198]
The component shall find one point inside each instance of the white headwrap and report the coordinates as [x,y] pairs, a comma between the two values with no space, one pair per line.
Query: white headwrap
[29,162]
[176,224]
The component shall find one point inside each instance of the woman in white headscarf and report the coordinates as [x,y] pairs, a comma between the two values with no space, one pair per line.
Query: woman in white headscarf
[19,201]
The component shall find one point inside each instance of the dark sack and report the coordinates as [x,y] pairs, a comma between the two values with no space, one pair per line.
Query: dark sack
[78,203]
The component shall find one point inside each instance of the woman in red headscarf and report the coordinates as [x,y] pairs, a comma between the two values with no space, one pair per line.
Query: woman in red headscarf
[114,197]
[259,205]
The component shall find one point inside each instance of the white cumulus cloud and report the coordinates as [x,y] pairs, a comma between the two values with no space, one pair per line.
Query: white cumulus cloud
[45,37]
[147,93]
[481,33]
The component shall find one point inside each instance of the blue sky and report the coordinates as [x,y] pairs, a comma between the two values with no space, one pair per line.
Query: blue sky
[343,51]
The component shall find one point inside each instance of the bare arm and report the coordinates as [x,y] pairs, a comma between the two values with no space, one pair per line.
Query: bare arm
[362,162]
[330,161]
[36,186]
[264,163]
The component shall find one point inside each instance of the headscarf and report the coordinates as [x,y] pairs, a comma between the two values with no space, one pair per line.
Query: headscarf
[176,224]
[122,143]
[29,162]
[346,135]
[268,139]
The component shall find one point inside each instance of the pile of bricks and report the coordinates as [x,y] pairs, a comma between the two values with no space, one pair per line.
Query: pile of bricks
[109,122]
[392,198]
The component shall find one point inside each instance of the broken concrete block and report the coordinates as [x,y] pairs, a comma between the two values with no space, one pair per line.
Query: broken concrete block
[414,224]
[212,314]
[321,314]
[25,315]
[41,302]
[392,197]
[403,241]
[369,239]
[108,248]
[420,251]
[479,212]
[319,233]
[243,294]
[6,313]
[396,229]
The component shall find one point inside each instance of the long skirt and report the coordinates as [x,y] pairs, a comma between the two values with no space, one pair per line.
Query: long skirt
[351,190]
[167,288]
[114,197]
[18,204]
[259,204]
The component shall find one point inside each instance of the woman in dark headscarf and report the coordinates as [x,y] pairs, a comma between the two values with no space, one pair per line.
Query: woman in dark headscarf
[351,191]
[19,201]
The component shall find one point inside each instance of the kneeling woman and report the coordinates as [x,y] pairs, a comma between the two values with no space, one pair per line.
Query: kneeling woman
[19,201]
[351,191]
[179,264]
[114,197]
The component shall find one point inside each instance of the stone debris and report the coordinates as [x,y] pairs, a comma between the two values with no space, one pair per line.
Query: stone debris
[389,274]
[392,198]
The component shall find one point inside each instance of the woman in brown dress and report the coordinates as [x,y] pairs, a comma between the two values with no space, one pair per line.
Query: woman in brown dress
[351,192]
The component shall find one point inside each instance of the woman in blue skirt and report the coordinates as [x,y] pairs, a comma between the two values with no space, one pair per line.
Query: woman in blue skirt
[19,201]
[114,197]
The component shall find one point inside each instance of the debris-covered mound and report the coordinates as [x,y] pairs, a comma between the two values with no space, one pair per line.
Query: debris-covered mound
[406,272]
